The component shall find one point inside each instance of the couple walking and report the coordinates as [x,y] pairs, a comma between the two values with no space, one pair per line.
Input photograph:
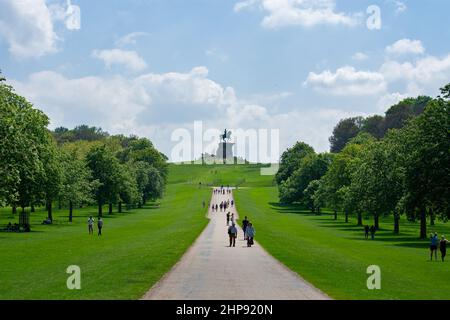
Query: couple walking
[91,222]
[434,242]
[249,233]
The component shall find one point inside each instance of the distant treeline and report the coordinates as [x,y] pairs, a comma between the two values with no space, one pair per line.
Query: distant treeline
[75,167]
[396,165]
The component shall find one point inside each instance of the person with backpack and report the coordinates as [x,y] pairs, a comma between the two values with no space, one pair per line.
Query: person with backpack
[232,233]
[250,232]
[100,226]
[91,222]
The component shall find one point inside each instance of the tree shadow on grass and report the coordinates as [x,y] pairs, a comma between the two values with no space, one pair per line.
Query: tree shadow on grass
[290,208]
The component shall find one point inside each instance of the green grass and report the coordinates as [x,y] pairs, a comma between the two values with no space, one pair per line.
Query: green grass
[334,256]
[140,246]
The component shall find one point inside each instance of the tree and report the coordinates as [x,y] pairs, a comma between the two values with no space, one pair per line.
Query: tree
[53,177]
[312,167]
[77,184]
[445,91]
[344,131]
[290,161]
[374,125]
[426,146]
[106,169]
[23,140]
[398,115]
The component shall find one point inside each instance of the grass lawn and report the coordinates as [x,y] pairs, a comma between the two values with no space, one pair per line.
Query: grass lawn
[138,247]
[334,256]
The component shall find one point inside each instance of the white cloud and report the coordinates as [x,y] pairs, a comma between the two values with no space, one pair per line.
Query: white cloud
[306,13]
[360,56]
[68,13]
[405,46]
[155,104]
[27,27]
[388,100]
[347,81]
[129,59]
[130,39]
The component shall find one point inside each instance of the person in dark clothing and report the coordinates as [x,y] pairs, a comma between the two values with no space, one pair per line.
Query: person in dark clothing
[228,218]
[244,226]
[372,232]
[366,232]
[434,241]
[232,233]
[100,226]
[443,247]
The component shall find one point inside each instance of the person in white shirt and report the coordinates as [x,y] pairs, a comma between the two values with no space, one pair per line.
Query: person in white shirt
[91,225]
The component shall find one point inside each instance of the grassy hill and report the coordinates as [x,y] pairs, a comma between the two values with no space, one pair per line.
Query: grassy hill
[139,246]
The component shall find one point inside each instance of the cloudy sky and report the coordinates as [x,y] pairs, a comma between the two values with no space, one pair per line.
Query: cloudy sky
[149,67]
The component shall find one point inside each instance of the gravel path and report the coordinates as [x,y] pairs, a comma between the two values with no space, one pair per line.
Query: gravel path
[210,270]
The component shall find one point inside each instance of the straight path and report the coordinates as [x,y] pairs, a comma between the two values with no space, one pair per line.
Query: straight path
[210,270]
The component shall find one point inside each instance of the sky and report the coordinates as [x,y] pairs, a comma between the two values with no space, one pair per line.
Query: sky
[154,67]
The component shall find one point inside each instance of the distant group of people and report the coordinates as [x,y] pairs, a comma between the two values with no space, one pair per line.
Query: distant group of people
[91,222]
[223,206]
[222,190]
[12,227]
[434,243]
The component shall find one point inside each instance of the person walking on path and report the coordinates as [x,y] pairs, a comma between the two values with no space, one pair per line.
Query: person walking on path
[232,218]
[433,245]
[91,225]
[366,232]
[250,231]
[443,247]
[100,226]
[232,233]
[244,226]
[228,218]
[372,232]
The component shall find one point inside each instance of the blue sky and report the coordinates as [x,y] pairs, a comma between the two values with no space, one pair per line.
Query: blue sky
[151,66]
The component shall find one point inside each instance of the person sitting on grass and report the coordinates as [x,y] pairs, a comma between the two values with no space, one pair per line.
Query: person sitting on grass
[372,232]
[443,247]
[433,245]
[250,232]
[232,233]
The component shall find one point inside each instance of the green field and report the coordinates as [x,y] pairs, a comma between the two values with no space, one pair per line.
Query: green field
[139,246]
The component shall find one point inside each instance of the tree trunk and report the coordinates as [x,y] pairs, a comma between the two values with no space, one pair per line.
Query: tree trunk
[360,222]
[59,204]
[140,205]
[144,200]
[432,217]
[70,211]
[50,210]
[376,219]
[120,206]
[33,209]
[335,214]
[346,216]
[423,223]
[100,209]
[14,209]
[110,208]
[396,223]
